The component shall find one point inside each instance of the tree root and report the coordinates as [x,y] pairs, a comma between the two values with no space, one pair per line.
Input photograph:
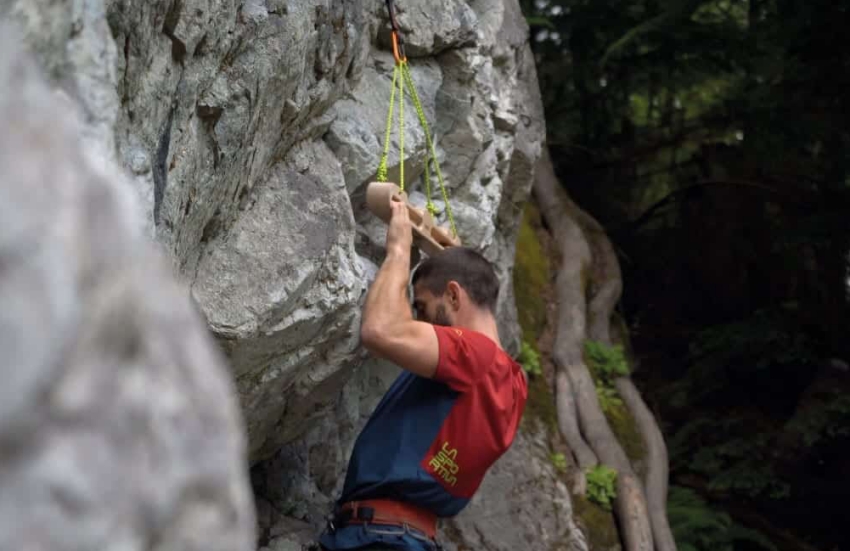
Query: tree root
[588,286]
[566,352]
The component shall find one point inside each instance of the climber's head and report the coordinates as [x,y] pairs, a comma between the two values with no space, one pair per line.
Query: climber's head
[455,287]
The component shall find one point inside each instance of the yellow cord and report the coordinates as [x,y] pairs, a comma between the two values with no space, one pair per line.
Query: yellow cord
[401,127]
[382,166]
[402,67]
[423,121]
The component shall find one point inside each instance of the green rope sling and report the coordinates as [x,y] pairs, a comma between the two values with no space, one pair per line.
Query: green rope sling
[402,77]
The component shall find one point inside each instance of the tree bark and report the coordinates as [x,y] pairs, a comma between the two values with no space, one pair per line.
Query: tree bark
[657,463]
[605,293]
[578,269]
[609,287]
[658,470]
[566,351]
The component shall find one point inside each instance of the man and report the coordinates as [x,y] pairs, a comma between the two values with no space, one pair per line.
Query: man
[443,423]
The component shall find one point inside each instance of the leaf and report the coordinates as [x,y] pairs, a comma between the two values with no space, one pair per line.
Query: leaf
[529,358]
[677,11]
[740,533]
[601,486]
[539,21]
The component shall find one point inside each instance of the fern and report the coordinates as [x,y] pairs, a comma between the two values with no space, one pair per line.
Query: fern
[530,359]
[824,418]
[601,488]
[607,362]
[764,337]
[740,533]
[609,400]
[697,527]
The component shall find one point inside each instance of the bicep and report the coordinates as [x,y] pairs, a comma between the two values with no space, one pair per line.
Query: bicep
[412,345]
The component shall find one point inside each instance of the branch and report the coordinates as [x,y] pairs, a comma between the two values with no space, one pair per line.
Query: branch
[674,195]
[678,11]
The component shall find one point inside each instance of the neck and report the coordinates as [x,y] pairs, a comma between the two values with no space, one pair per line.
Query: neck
[484,323]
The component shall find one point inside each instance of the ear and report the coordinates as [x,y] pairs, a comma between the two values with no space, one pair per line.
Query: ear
[454,293]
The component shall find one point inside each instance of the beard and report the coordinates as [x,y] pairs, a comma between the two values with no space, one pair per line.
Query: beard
[442,317]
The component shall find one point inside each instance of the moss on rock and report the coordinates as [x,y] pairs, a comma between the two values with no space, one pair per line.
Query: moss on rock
[531,280]
[627,433]
[599,525]
[531,276]
[541,404]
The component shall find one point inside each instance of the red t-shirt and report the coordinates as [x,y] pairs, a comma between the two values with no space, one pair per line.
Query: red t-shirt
[484,419]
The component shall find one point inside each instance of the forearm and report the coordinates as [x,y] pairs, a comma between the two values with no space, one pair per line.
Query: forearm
[387,302]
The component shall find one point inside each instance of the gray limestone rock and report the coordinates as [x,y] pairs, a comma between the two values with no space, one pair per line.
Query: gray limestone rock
[249,130]
[119,424]
[522,504]
[218,92]
[431,26]
[281,291]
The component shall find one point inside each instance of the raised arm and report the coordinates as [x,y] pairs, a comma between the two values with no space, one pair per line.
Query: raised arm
[388,329]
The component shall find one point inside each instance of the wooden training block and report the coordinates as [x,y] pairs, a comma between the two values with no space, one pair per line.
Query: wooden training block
[426,235]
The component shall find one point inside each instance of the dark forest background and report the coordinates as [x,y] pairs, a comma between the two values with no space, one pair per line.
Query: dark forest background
[712,141]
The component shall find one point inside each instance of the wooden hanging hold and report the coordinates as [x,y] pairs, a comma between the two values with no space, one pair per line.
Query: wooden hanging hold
[426,234]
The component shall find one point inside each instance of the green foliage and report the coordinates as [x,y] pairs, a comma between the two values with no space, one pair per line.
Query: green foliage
[531,278]
[698,527]
[823,419]
[559,460]
[694,524]
[541,405]
[606,362]
[625,429]
[762,337]
[730,456]
[529,358]
[538,21]
[751,477]
[601,486]
[609,400]
[748,535]
[674,13]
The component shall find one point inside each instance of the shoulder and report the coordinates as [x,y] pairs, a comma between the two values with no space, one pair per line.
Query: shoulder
[471,347]
[468,339]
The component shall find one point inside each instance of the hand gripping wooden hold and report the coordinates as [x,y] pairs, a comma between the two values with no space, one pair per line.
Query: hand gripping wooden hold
[426,235]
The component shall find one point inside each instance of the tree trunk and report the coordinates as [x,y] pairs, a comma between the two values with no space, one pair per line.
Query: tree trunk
[564,220]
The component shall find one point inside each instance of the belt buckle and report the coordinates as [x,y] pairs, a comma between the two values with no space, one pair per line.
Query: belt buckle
[366,514]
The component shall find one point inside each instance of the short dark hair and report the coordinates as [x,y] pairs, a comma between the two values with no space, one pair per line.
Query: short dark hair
[469,268]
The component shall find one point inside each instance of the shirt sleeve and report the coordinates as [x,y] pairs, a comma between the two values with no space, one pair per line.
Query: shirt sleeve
[463,358]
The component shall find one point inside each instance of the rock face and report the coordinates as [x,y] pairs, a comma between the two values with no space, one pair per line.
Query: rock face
[119,427]
[521,505]
[249,130]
